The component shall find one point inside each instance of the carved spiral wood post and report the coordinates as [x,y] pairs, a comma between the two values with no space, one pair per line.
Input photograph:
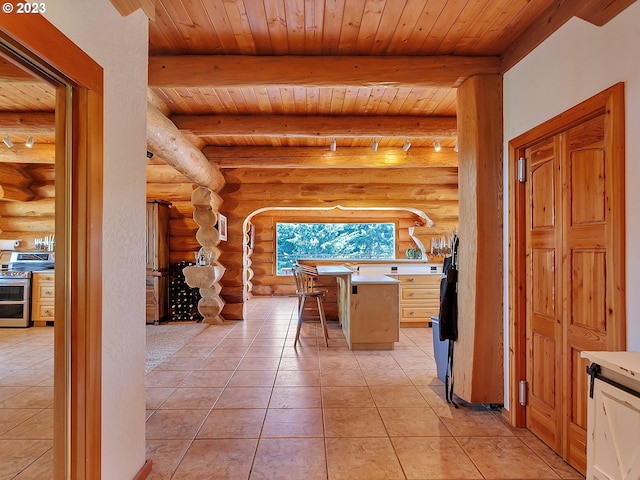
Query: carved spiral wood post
[247,251]
[208,272]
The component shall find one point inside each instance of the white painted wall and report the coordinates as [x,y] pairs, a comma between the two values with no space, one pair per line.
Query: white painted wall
[575,63]
[119,45]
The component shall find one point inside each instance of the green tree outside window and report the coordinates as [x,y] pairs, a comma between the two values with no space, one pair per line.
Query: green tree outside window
[335,241]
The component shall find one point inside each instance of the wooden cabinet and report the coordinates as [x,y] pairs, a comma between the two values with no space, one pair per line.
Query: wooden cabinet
[157,261]
[158,236]
[157,297]
[419,299]
[373,313]
[42,298]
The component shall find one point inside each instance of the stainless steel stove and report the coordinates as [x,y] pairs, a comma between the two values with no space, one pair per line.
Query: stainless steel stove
[14,274]
[15,285]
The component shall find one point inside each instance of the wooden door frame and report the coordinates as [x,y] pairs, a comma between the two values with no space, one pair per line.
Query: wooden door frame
[611,103]
[79,180]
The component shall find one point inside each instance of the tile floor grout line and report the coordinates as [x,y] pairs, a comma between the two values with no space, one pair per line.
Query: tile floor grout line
[411,361]
[199,429]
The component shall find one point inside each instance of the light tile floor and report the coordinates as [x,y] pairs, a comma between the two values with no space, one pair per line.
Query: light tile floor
[239,402]
[26,403]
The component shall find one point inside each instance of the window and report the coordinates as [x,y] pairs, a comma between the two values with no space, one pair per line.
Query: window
[341,241]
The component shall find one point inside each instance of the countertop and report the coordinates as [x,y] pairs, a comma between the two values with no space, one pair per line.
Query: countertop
[373,280]
[333,270]
[367,262]
[401,270]
[623,363]
[416,271]
[375,270]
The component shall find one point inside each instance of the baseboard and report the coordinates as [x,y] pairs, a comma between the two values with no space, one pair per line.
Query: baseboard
[144,471]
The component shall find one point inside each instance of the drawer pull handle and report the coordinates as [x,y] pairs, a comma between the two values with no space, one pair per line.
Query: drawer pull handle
[47,292]
[410,313]
[411,294]
[410,280]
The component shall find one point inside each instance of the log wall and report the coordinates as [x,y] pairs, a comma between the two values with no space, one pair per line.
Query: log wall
[432,190]
[33,217]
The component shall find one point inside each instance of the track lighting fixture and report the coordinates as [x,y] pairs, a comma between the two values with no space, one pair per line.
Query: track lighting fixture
[29,143]
[332,146]
[7,141]
[406,146]
[436,145]
[374,145]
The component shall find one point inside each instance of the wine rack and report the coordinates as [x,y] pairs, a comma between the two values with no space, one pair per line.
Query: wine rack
[183,300]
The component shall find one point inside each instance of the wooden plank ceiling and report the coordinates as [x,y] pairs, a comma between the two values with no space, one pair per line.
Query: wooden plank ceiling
[297,73]
[27,105]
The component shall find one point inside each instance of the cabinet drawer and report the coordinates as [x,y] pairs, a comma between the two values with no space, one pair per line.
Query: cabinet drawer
[45,290]
[45,312]
[421,313]
[426,280]
[421,303]
[422,294]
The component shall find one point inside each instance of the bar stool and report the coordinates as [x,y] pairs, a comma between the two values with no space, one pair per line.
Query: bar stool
[305,289]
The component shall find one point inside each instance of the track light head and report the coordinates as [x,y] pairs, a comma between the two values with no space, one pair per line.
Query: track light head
[7,141]
[374,145]
[333,146]
[29,143]
[436,145]
[406,146]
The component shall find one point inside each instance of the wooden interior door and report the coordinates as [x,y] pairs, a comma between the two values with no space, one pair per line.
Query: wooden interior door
[572,266]
[586,165]
[544,297]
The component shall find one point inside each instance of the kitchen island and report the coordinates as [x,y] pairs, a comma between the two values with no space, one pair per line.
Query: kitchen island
[373,322]
[368,307]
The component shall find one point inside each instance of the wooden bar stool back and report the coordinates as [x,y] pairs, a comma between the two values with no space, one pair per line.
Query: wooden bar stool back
[305,289]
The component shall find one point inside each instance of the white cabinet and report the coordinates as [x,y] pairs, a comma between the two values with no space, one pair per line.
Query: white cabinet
[613,417]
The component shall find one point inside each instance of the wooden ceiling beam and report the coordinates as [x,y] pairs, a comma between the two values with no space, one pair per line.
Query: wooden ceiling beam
[556,15]
[308,157]
[237,71]
[316,126]
[27,123]
[40,153]
[166,141]
[12,73]
[599,13]
[126,7]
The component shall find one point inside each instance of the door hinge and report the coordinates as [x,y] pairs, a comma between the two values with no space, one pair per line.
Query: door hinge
[522,393]
[522,169]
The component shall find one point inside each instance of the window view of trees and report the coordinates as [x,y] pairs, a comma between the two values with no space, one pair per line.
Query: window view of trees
[343,241]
